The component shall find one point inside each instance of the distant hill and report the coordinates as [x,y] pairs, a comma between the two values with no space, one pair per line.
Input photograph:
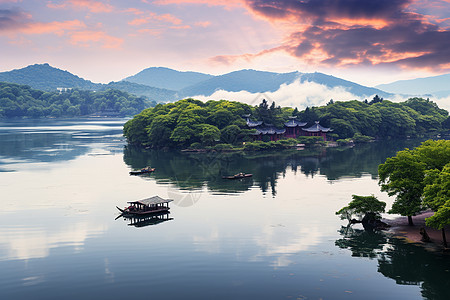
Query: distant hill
[152,93]
[260,81]
[165,78]
[354,88]
[164,85]
[436,85]
[46,78]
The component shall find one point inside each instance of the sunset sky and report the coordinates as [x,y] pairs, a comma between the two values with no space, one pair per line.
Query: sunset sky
[365,41]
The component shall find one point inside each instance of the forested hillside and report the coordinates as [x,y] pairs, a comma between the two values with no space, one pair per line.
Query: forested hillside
[47,78]
[23,101]
[187,122]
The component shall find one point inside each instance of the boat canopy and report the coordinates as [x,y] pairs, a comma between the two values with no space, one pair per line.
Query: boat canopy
[151,201]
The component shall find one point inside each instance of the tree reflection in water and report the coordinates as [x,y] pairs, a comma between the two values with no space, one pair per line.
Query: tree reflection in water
[361,243]
[406,263]
[195,170]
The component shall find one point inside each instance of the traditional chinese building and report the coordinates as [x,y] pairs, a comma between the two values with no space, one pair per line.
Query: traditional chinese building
[316,130]
[292,129]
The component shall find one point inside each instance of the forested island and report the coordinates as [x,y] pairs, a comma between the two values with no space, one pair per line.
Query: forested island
[21,101]
[223,124]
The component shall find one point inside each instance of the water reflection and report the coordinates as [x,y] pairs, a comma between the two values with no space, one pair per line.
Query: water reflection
[37,141]
[361,243]
[22,242]
[143,221]
[406,263]
[194,171]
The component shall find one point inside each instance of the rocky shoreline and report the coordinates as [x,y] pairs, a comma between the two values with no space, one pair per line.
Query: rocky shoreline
[399,228]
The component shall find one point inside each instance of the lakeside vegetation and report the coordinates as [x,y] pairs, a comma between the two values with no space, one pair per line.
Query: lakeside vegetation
[194,124]
[21,101]
[419,179]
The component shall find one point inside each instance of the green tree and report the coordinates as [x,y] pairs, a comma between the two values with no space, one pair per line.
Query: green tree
[365,208]
[182,135]
[160,130]
[437,197]
[403,176]
[209,134]
[231,134]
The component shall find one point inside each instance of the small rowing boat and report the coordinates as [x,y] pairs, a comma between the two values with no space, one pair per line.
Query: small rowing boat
[238,176]
[142,171]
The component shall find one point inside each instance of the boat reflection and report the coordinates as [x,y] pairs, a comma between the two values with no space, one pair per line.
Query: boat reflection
[147,220]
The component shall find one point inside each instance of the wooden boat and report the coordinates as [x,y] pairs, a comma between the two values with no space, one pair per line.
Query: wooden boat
[142,171]
[148,206]
[238,176]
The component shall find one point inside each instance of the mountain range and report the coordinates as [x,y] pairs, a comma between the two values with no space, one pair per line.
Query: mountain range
[165,85]
[438,86]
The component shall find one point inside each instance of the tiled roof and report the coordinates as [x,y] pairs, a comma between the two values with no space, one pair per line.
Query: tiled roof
[294,123]
[316,128]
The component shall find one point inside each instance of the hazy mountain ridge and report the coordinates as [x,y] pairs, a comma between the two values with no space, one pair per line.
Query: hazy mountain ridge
[243,80]
[434,85]
[150,82]
[260,81]
[354,88]
[166,78]
[152,93]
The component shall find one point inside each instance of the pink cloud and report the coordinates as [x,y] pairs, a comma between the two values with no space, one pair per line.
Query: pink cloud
[154,32]
[58,28]
[203,24]
[348,32]
[151,17]
[225,3]
[92,6]
[231,59]
[135,11]
[87,38]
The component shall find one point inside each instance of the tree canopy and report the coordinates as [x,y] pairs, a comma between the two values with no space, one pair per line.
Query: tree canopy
[189,121]
[181,123]
[17,101]
[418,179]
[403,176]
[378,118]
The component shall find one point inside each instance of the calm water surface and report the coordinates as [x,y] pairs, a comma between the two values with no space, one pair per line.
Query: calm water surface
[273,236]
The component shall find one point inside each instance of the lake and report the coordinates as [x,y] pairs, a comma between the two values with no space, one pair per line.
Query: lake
[272,236]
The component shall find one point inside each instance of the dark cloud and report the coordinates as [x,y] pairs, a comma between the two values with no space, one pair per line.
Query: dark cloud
[325,9]
[12,19]
[360,32]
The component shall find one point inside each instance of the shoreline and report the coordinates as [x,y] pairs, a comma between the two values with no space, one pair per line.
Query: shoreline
[411,234]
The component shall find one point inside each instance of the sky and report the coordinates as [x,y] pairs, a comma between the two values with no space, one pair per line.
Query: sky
[365,41]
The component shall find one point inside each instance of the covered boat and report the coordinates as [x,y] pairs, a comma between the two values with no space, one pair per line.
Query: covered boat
[146,206]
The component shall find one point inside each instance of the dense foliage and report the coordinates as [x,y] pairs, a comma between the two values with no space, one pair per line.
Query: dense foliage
[23,101]
[418,179]
[187,122]
[378,118]
[362,207]
[197,124]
